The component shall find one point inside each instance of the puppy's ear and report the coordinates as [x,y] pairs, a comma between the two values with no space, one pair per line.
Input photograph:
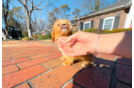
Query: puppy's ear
[53,35]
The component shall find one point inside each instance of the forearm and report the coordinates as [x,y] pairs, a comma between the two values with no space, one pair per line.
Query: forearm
[116,43]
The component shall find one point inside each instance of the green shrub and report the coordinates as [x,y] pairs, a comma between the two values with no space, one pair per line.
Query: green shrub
[90,30]
[26,38]
[120,30]
[42,37]
[25,33]
[35,36]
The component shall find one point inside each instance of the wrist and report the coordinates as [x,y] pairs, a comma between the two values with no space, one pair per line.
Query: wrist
[108,42]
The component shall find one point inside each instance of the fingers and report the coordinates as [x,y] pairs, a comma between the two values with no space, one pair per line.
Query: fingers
[71,39]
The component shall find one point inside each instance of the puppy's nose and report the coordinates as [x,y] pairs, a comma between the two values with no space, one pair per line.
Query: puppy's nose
[63,24]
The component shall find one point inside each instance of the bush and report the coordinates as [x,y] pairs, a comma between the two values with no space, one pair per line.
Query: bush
[26,38]
[106,31]
[35,36]
[25,33]
[42,37]
[120,30]
[90,30]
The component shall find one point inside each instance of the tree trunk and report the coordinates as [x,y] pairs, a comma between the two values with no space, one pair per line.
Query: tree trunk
[3,35]
[6,30]
[29,29]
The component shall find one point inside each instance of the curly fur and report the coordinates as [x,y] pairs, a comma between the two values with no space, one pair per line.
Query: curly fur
[57,32]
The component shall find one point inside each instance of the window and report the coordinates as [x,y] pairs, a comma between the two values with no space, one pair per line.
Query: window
[108,23]
[87,25]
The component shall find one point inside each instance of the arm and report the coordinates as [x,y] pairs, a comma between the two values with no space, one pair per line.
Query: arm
[116,44]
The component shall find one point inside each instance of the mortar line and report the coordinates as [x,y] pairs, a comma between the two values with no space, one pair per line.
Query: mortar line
[11,58]
[30,84]
[18,66]
[71,80]
[34,77]
[113,80]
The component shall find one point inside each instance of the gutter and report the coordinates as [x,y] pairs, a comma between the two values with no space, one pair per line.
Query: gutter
[128,4]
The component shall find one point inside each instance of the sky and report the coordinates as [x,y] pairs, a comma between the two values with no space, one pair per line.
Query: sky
[43,13]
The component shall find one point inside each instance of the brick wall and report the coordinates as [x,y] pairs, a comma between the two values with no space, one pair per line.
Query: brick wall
[96,19]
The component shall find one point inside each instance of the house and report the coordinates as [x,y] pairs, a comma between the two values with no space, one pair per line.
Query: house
[118,15]
[45,32]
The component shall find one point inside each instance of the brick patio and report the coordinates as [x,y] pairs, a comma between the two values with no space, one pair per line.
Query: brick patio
[40,67]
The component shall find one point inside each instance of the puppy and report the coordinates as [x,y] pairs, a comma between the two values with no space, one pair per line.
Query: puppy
[64,28]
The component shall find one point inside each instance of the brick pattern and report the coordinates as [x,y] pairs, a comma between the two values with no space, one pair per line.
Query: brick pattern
[24,86]
[71,85]
[97,19]
[42,67]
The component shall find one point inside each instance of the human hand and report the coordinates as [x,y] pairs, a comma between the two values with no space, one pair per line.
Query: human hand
[80,43]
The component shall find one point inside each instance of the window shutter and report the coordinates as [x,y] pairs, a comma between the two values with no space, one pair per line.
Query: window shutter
[92,24]
[101,23]
[116,21]
[81,25]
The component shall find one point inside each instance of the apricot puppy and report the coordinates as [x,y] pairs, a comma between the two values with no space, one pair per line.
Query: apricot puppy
[64,28]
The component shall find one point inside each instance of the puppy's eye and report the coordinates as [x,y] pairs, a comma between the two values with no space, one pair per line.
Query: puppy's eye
[58,25]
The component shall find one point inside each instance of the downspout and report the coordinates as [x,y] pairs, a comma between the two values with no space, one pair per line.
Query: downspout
[78,24]
[128,18]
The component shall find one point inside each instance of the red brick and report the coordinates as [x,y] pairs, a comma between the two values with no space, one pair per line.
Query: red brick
[55,56]
[107,57]
[39,56]
[24,86]
[9,69]
[6,59]
[72,85]
[18,77]
[21,56]
[78,64]
[14,61]
[94,77]
[33,62]
[56,52]
[124,73]
[121,85]
[28,52]
[125,61]
[43,52]
[104,63]
[55,78]
[53,63]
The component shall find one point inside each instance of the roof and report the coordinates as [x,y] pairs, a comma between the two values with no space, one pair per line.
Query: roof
[120,5]
[38,32]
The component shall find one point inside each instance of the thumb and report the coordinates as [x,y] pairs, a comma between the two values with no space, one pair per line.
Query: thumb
[71,38]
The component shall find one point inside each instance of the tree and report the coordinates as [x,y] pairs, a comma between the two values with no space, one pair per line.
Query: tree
[76,13]
[5,5]
[53,16]
[92,5]
[65,10]
[28,12]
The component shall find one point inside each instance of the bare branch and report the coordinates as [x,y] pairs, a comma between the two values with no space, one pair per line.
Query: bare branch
[45,6]
[21,2]
[31,6]
[14,13]
[40,3]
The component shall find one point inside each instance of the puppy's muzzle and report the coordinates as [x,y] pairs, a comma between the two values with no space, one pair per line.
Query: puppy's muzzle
[64,27]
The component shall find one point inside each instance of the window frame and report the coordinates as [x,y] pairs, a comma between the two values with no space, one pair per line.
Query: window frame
[112,22]
[85,23]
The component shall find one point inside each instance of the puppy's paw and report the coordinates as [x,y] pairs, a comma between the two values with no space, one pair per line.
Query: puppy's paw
[84,65]
[63,58]
[66,63]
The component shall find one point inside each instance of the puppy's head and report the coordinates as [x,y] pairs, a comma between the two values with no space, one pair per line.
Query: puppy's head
[61,28]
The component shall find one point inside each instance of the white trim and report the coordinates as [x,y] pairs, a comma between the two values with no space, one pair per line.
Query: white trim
[128,18]
[85,23]
[112,22]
